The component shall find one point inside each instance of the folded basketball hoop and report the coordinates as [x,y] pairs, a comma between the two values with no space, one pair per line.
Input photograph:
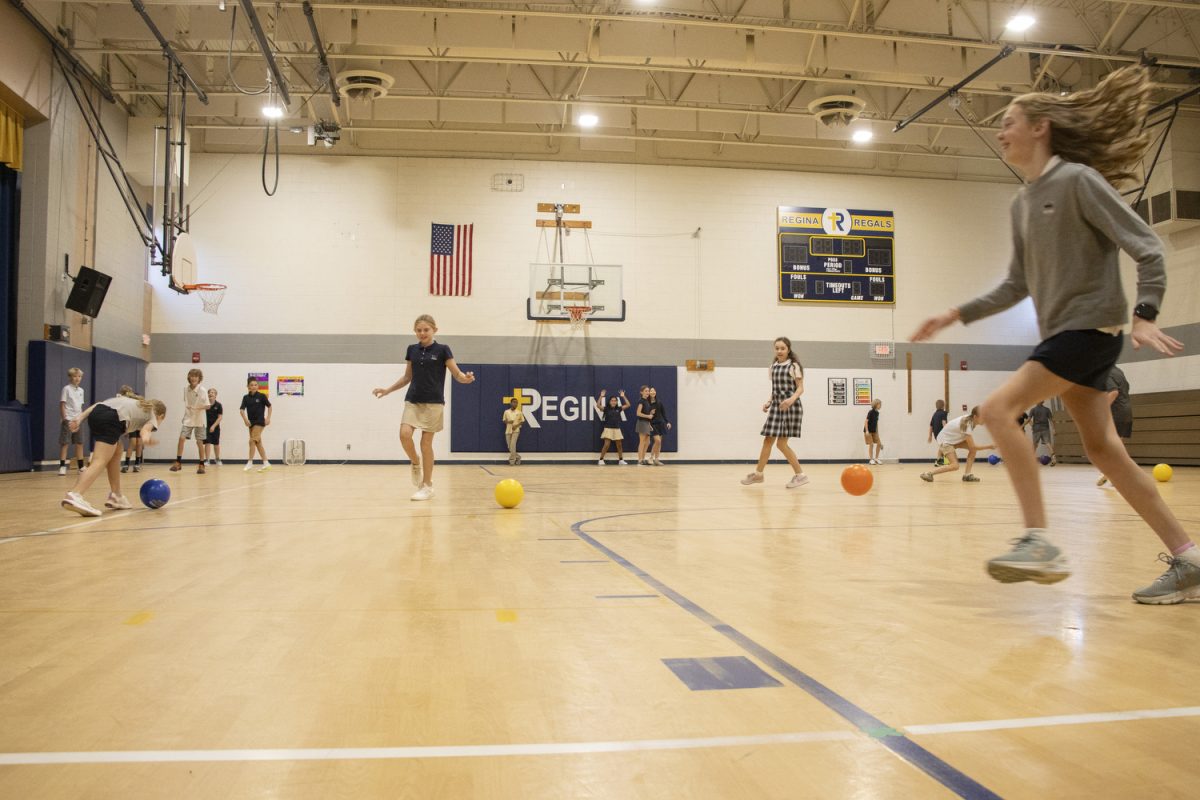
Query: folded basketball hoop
[578,315]
[211,294]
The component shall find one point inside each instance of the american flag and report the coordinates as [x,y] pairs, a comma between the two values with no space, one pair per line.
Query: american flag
[450,259]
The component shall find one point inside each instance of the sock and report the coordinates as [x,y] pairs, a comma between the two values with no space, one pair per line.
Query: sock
[62,463]
[80,463]
[1188,552]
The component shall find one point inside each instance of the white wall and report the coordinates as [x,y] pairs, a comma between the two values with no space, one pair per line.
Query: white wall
[719,415]
[343,247]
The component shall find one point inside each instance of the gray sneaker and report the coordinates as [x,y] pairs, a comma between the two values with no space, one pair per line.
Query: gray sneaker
[753,477]
[927,476]
[970,478]
[1180,582]
[1031,559]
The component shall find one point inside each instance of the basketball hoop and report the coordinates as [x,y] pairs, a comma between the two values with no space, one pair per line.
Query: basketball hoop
[578,315]
[211,294]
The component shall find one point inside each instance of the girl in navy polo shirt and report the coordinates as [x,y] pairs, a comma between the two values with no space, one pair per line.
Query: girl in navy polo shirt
[610,411]
[425,401]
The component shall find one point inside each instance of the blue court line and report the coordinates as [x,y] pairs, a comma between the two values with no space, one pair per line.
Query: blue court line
[891,738]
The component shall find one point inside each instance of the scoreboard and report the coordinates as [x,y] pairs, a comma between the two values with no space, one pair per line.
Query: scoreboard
[836,255]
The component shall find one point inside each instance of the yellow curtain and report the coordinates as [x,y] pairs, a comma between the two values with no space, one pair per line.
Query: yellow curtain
[12,137]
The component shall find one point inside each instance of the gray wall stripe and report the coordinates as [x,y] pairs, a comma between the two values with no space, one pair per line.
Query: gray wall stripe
[371,349]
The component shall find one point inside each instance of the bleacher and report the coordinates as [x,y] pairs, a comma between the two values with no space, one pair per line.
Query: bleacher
[1166,429]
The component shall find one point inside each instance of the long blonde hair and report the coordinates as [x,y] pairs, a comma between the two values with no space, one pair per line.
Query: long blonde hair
[156,407]
[1100,127]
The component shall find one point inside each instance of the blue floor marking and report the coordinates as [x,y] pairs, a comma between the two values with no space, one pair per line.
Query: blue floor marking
[720,673]
[879,731]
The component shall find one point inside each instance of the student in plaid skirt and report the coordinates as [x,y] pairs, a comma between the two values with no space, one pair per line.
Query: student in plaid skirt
[784,412]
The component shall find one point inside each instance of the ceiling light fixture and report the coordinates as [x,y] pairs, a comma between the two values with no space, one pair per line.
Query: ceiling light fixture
[1020,23]
[862,136]
[587,120]
[272,109]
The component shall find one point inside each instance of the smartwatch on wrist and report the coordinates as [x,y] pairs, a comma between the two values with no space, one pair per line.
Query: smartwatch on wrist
[1145,311]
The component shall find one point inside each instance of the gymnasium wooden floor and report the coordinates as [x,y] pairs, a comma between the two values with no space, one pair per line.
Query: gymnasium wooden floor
[625,633]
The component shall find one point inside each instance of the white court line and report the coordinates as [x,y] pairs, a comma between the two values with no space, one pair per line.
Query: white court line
[107,516]
[563,748]
[447,751]
[1045,722]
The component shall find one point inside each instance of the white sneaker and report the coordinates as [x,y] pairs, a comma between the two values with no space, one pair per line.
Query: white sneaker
[249,466]
[600,463]
[622,462]
[62,470]
[219,462]
[117,501]
[73,502]
[266,466]
[416,475]
[424,493]
[797,480]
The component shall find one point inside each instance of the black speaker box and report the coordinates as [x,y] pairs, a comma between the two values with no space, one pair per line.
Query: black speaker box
[88,293]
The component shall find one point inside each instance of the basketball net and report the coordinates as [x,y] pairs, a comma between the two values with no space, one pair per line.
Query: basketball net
[211,295]
[578,315]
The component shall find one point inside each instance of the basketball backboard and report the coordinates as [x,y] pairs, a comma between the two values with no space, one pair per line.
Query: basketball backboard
[554,287]
[184,264]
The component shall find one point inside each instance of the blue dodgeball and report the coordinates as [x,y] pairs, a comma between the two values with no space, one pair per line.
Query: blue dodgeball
[155,493]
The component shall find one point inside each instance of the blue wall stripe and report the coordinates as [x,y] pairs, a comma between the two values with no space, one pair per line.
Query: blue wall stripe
[891,738]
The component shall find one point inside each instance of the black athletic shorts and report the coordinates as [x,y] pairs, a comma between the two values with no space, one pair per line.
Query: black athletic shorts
[105,425]
[213,436]
[1081,357]
[1124,425]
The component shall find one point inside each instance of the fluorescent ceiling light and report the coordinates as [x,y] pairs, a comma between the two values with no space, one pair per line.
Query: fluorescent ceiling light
[272,112]
[862,136]
[587,120]
[1020,23]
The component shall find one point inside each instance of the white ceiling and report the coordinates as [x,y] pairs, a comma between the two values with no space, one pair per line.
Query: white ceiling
[702,82]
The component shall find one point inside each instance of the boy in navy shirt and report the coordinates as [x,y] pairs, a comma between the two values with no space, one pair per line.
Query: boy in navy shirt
[256,413]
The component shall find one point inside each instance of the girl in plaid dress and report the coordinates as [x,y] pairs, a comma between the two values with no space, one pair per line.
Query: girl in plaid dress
[784,413]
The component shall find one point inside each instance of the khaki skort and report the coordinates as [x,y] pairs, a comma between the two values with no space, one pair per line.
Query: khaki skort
[423,416]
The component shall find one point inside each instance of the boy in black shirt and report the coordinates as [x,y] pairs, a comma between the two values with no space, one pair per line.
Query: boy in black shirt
[871,434]
[213,417]
[256,413]
[936,423]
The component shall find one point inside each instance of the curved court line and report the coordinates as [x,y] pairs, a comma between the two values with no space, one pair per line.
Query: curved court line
[891,738]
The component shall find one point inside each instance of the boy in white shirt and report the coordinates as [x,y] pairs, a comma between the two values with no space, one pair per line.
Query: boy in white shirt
[70,406]
[195,421]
